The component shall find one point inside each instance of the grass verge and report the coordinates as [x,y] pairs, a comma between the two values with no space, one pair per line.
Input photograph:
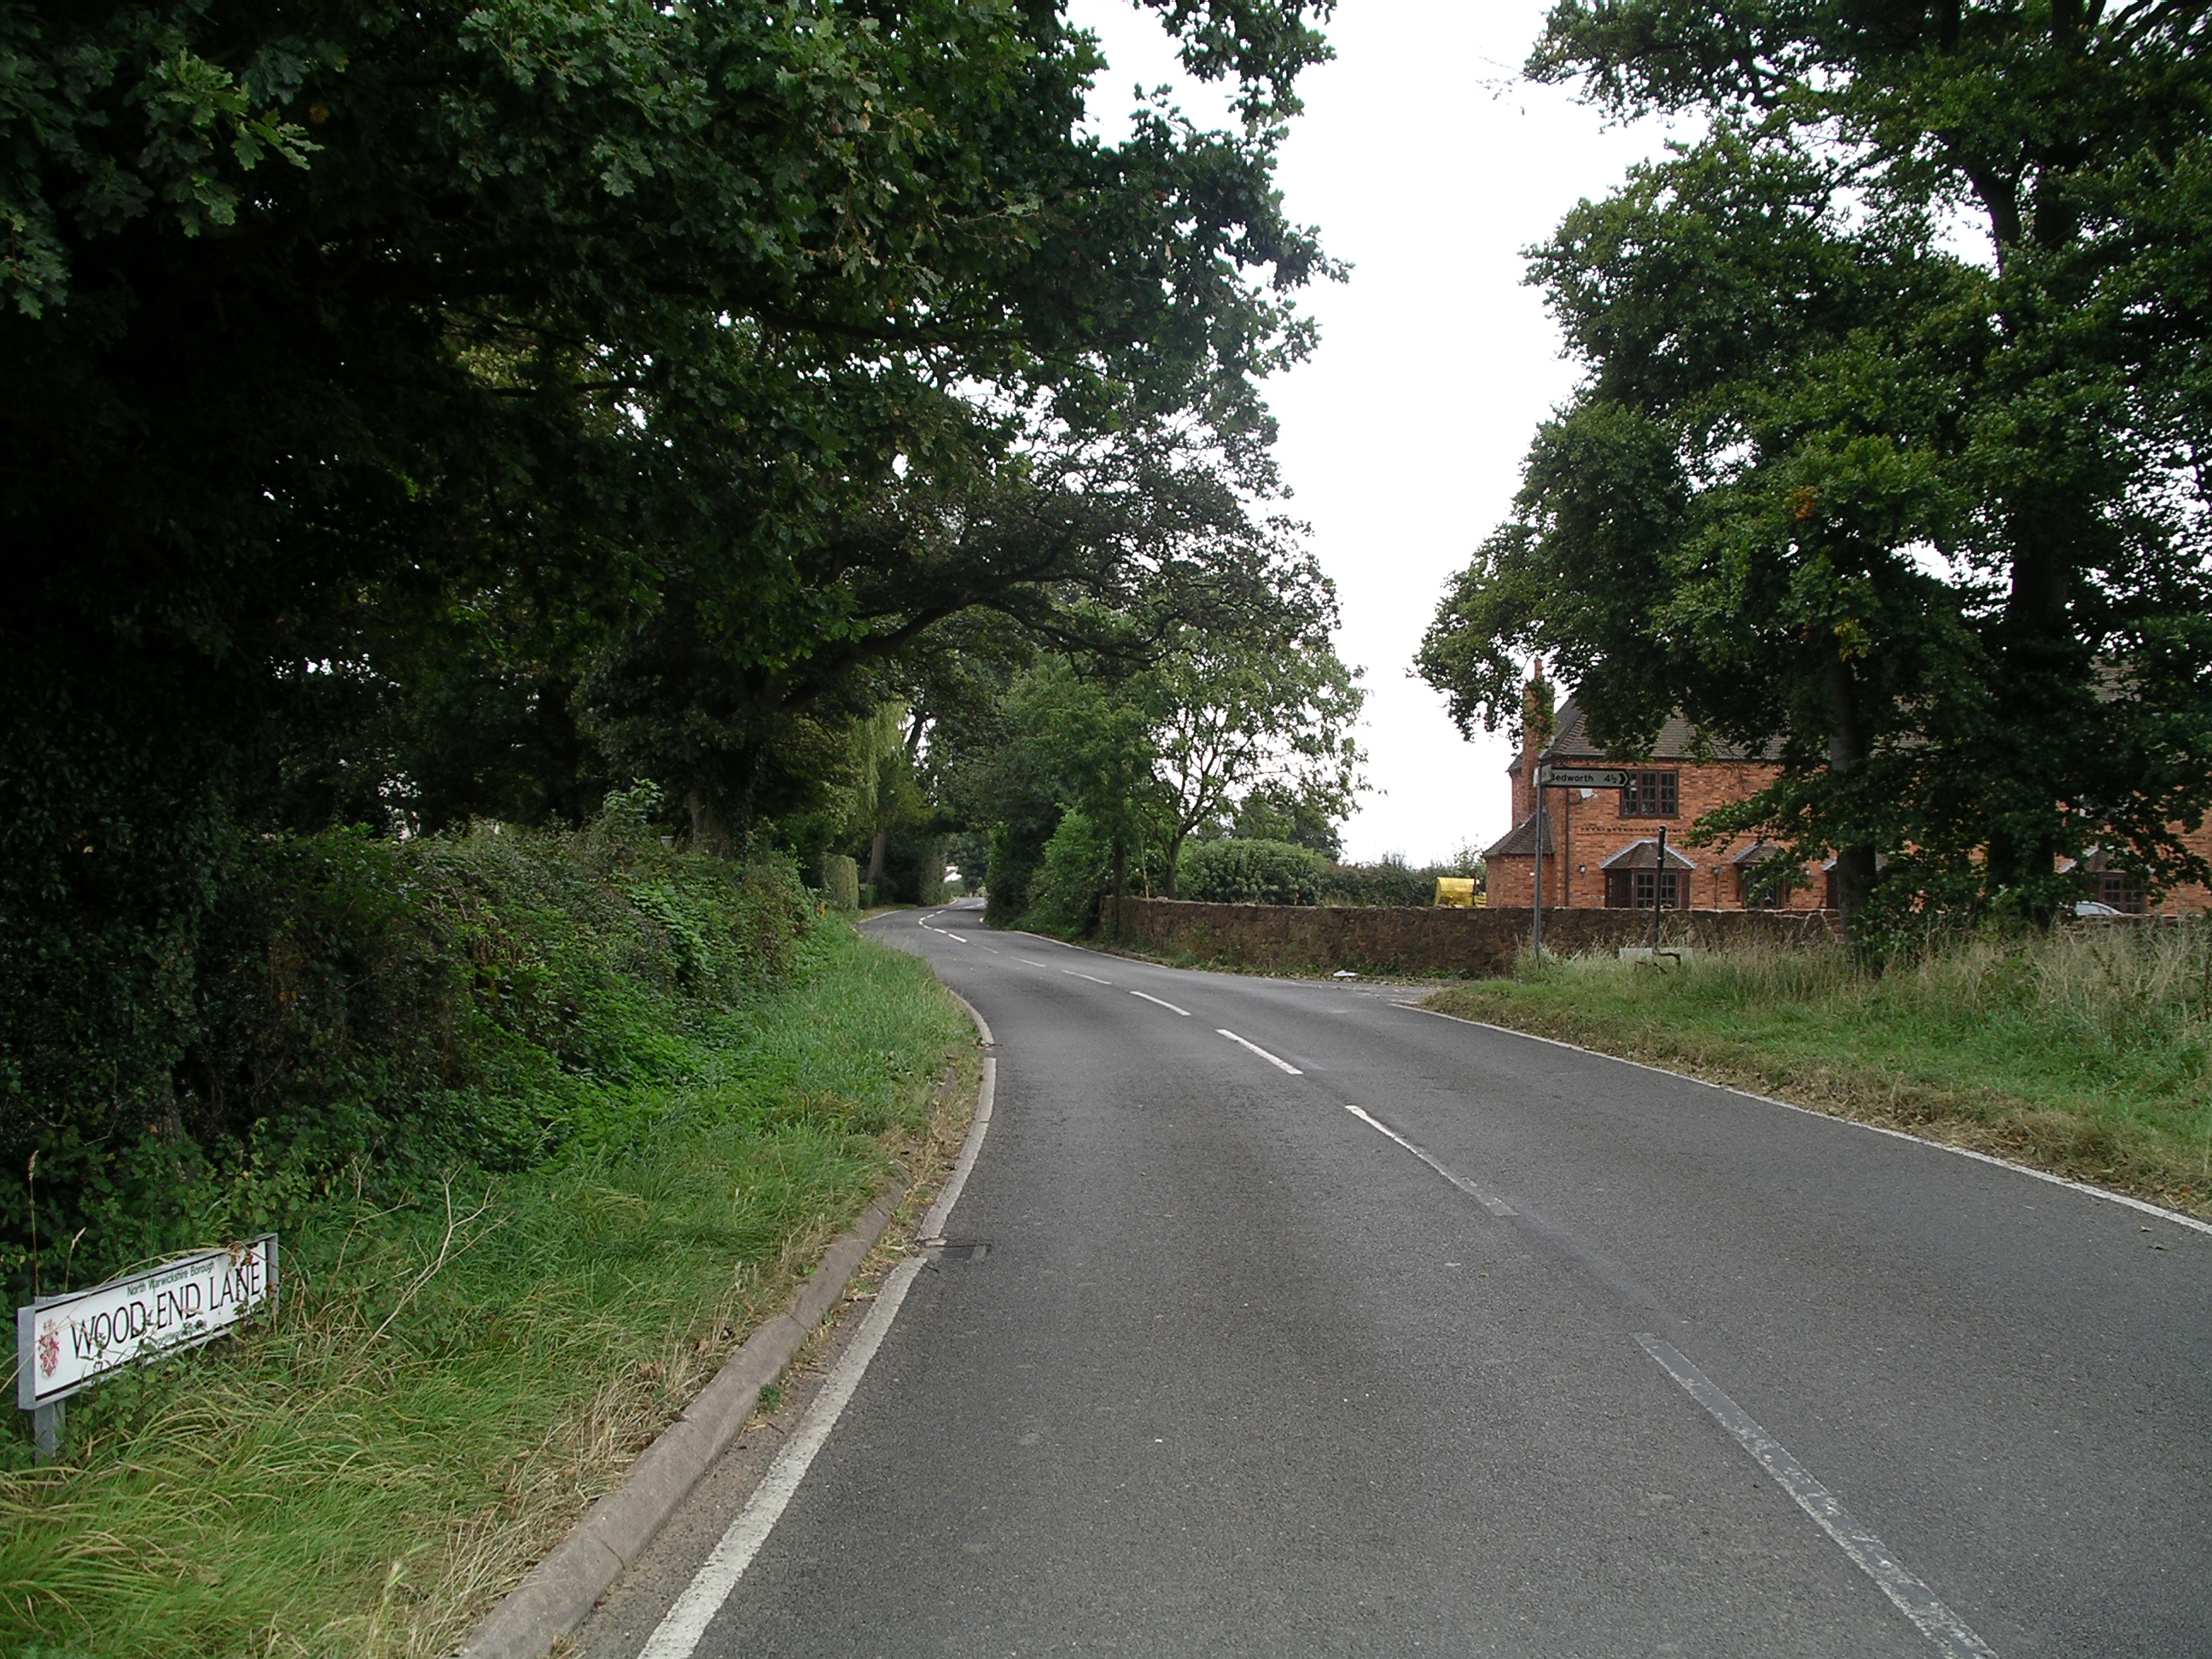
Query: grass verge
[2083,1053]
[449,1385]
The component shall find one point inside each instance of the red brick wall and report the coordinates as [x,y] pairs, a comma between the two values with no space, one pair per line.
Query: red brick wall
[2191,901]
[1375,939]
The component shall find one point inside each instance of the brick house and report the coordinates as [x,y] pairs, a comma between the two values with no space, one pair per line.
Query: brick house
[1601,846]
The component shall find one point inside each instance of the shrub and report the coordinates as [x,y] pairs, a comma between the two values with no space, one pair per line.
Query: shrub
[1390,880]
[1076,871]
[386,1011]
[1235,871]
[840,881]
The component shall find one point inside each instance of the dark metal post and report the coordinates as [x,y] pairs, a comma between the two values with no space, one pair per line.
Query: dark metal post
[47,1430]
[1658,887]
[1536,899]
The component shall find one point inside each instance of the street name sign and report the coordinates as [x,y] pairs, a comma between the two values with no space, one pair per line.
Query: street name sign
[1581,777]
[64,1343]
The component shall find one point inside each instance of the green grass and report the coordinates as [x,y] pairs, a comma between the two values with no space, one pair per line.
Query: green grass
[444,1391]
[2082,1053]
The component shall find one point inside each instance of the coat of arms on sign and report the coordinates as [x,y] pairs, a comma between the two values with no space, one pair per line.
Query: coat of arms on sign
[50,1348]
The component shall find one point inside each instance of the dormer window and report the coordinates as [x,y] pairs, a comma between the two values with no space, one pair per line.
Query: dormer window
[1651,795]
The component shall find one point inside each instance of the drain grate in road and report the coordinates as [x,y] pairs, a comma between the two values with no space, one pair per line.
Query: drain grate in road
[958,1250]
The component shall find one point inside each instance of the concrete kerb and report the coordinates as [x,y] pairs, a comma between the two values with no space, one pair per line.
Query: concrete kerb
[557,1593]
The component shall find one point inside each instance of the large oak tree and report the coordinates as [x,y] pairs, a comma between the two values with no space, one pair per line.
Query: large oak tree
[1889,452]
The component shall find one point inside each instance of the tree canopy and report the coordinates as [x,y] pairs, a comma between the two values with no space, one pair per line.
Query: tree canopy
[1210,730]
[1889,451]
[433,410]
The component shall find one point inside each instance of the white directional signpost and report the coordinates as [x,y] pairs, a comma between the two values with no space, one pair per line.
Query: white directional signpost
[64,1343]
[1561,777]
[1582,777]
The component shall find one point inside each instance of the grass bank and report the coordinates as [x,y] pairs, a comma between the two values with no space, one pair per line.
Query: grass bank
[2084,1053]
[454,1377]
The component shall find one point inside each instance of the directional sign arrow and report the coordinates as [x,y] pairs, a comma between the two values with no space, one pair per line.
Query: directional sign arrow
[1581,777]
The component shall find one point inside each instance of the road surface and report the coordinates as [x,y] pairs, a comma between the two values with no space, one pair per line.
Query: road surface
[1285,1318]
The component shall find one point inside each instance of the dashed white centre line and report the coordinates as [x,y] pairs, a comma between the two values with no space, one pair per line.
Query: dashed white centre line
[1913,1598]
[1033,962]
[1283,1065]
[1093,978]
[1497,1206]
[1162,1002]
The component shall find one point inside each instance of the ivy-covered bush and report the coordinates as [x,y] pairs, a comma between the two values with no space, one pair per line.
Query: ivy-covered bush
[841,881]
[356,1008]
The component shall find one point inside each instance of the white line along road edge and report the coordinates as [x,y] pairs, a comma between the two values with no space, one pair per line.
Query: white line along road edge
[2106,1194]
[1913,1598]
[983,1031]
[678,1632]
[1223,1031]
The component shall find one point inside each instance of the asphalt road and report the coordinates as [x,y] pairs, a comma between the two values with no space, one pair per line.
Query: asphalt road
[1228,1368]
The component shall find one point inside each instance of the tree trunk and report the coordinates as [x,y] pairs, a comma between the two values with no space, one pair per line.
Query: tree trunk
[707,834]
[1121,883]
[2039,679]
[876,855]
[1175,857]
[1854,862]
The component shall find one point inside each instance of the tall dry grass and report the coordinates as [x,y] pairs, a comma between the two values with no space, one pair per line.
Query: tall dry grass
[2087,1051]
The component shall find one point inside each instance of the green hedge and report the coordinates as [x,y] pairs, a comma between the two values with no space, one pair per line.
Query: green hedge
[1241,872]
[357,1009]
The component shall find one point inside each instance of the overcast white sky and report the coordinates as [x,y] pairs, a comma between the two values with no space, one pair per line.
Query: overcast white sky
[1428,166]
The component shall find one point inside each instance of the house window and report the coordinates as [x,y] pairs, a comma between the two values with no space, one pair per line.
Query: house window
[1651,795]
[1761,886]
[2117,889]
[1631,889]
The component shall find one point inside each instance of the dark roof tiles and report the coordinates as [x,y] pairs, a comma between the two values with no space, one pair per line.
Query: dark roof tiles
[1677,741]
[1644,855]
[1520,842]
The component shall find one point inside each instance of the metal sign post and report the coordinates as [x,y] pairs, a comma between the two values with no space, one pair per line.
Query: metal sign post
[1658,887]
[1562,777]
[1536,898]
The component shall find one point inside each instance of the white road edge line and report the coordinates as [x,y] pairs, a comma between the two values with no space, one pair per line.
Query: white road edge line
[1913,1598]
[1284,1064]
[1093,978]
[2110,1197]
[680,1630]
[983,1025]
[1497,1206]
[1163,1002]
